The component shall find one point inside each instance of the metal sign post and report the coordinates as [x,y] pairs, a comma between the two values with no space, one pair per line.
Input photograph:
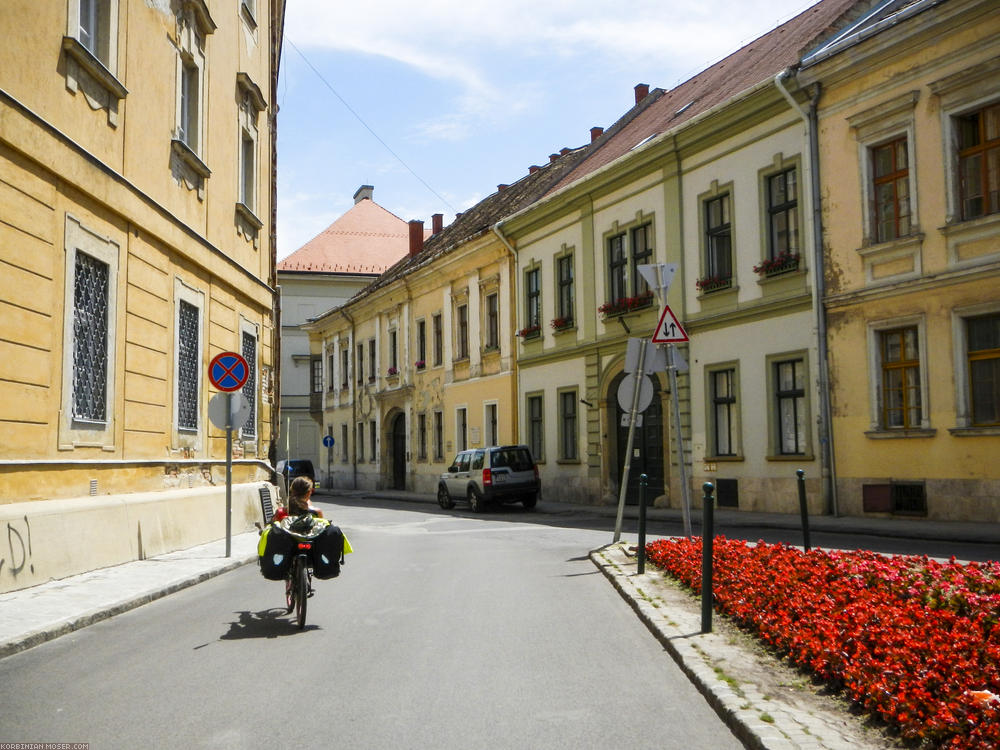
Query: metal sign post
[631,437]
[228,372]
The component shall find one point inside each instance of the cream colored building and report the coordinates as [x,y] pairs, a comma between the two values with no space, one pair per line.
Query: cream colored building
[909,139]
[420,364]
[136,242]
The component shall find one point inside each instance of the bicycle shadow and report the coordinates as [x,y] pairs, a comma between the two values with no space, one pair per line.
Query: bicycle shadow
[267,623]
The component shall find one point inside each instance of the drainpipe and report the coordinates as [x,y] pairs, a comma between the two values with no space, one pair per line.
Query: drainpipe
[352,430]
[513,307]
[827,463]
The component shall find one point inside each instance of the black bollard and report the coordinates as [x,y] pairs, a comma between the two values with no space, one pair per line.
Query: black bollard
[642,523]
[802,509]
[707,533]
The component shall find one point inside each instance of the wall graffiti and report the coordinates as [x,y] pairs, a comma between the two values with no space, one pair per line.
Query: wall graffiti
[15,555]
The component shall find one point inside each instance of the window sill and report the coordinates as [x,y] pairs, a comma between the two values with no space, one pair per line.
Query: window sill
[190,159]
[86,60]
[790,457]
[248,16]
[975,431]
[900,433]
[243,211]
[564,329]
[724,459]
[491,350]
[568,462]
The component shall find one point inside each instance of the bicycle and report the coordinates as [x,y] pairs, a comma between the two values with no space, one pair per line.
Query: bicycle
[298,584]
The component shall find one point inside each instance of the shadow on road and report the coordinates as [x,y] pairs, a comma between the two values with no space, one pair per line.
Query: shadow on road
[268,623]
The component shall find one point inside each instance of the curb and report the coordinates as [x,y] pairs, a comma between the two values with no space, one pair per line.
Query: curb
[51,632]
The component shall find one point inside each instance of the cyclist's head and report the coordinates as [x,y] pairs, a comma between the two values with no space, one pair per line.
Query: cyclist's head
[298,492]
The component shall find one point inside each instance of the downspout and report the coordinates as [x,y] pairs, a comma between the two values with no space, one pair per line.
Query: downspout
[352,429]
[827,462]
[513,308]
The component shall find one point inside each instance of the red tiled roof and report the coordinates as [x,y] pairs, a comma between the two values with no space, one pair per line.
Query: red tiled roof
[758,61]
[366,239]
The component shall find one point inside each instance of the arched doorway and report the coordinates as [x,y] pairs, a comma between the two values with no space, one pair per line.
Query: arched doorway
[647,445]
[399,452]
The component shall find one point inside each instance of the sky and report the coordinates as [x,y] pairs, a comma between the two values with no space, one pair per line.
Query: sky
[437,102]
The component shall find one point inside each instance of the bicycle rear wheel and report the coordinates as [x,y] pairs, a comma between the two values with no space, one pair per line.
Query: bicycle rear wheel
[289,592]
[301,591]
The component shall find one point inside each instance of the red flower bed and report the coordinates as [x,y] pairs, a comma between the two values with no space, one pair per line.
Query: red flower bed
[912,640]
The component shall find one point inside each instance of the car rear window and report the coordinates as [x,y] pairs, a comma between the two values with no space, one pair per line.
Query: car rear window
[477,460]
[516,459]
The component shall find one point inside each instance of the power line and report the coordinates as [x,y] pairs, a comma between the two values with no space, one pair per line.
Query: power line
[367,126]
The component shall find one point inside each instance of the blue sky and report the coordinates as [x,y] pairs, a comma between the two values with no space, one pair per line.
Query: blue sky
[458,97]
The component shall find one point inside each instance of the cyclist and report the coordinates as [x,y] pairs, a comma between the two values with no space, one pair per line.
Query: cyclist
[299,493]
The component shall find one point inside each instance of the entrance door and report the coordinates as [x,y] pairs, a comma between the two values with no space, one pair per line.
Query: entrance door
[399,452]
[647,445]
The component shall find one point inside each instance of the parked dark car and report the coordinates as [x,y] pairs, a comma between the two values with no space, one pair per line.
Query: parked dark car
[505,474]
[289,469]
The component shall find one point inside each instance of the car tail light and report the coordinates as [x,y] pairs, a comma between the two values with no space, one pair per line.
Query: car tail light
[535,467]
[487,478]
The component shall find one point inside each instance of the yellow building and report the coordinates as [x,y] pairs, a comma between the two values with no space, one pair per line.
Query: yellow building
[909,146]
[420,364]
[136,242]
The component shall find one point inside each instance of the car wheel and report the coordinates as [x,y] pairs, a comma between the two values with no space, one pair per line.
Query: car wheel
[529,501]
[444,499]
[475,501]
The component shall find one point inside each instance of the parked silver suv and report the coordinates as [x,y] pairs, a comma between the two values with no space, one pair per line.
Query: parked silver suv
[504,473]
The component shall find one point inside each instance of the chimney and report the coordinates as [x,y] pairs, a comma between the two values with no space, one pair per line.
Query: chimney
[564,151]
[364,192]
[596,133]
[641,91]
[502,187]
[553,157]
[416,236]
[437,223]
[533,168]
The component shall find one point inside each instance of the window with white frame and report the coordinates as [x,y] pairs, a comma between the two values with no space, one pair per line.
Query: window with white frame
[438,435]
[568,435]
[189,305]
[533,301]
[422,437]
[96,30]
[535,417]
[316,365]
[782,205]
[982,335]
[979,162]
[723,406]
[891,189]
[248,337]
[461,428]
[89,338]
[462,332]
[189,118]
[565,295]
[790,415]
[492,424]
[188,146]
[492,321]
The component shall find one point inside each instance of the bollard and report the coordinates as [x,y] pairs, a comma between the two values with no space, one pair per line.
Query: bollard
[802,509]
[642,523]
[707,533]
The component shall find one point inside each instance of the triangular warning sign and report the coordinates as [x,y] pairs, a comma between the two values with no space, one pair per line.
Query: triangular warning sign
[669,330]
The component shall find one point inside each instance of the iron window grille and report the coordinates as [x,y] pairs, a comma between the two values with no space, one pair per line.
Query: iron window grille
[90,338]
[187,366]
[250,387]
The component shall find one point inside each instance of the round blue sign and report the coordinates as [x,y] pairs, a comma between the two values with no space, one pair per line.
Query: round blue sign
[328,441]
[228,371]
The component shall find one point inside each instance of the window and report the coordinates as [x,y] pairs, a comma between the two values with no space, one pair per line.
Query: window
[983,337]
[421,343]
[345,356]
[188,129]
[344,454]
[789,400]
[422,436]
[372,367]
[393,359]
[901,384]
[564,273]
[95,29]
[492,427]
[722,384]
[462,428]
[248,169]
[360,363]
[438,339]
[373,438]
[536,436]
[979,162]
[249,352]
[891,180]
[492,321]
[188,372]
[617,264]
[718,238]
[438,436]
[317,374]
[462,314]
[91,291]
[782,214]
[567,426]
[533,298]
[642,253]
[361,442]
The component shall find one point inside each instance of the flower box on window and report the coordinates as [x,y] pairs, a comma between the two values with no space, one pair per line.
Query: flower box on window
[624,305]
[561,324]
[778,265]
[531,332]
[714,283]
[420,364]
[392,372]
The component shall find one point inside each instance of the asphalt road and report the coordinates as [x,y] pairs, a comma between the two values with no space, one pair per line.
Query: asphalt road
[444,631]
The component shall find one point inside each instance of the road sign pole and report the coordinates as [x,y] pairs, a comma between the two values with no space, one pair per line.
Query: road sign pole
[631,438]
[679,439]
[229,474]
